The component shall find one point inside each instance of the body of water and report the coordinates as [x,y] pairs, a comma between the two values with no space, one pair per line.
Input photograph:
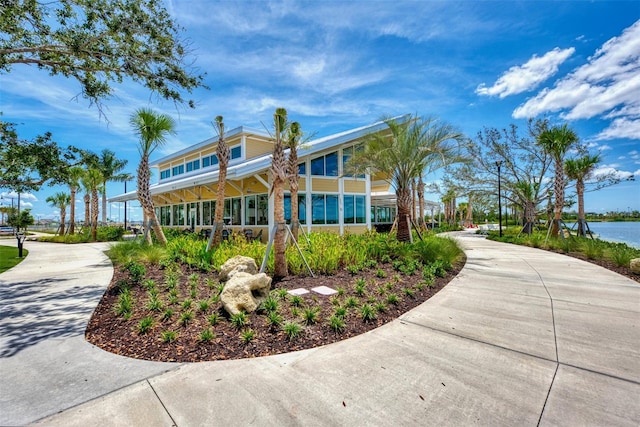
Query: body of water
[624,232]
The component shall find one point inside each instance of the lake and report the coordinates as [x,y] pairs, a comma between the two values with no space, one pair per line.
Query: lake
[625,232]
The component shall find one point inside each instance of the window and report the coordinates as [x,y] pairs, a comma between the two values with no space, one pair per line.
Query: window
[354,209]
[193,214]
[255,209]
[178,214]
[211,160]
[177,170]
[346,155]
[325,165]
[193,165]
[236,152]
[324,209]
[165,215]
[302,208]
[233,211]
[382,214]
[165,174]
[302,169]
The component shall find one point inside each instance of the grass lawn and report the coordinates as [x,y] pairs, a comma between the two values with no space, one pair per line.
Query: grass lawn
[9,257]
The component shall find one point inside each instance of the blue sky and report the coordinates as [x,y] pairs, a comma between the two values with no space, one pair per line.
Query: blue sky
[336,65]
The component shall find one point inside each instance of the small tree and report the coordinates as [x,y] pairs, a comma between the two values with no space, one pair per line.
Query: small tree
[22,219]
[152,129]
[557,141]
[60,200]
[578,170]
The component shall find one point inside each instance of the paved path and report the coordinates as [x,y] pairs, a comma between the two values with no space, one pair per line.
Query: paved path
[520,337]
[45,304]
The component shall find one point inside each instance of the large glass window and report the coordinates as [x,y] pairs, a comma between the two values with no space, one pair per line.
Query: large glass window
[178,214]
[324,209]
[354,209]
[302,208]
[302,169]
[233,211]
[165,215]
[165,174]
[236,152]
[325,165]
[347,153]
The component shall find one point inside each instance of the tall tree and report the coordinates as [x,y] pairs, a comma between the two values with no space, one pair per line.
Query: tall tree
[557,141]
[522,162]
[292,142]
[527,193]
[579,170]
[223,154]
[406,151]
[60,200]
[279,176]
[73,181]
[99,43]
[110,167]
[152,129]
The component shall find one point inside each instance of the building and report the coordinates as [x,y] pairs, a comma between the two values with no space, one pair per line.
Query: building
[328,200]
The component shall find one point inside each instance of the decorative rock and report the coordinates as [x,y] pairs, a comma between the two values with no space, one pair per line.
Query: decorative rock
[245,292]
[635,265]
[237,264]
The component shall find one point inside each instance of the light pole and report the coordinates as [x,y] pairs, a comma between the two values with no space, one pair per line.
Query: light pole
[498,164]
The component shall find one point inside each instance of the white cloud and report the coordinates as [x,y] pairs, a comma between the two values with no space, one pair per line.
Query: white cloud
[528,76]
[608,85]
[609,171]
[23,196]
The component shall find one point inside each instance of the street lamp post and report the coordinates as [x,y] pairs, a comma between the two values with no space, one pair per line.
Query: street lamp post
[125,208]
[498,164]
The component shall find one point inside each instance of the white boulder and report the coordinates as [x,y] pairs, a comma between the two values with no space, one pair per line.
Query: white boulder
[237,264]
[635,265]
[244,292]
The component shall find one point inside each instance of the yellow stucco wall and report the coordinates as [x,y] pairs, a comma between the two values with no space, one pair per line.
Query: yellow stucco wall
[353,186]
[324,185]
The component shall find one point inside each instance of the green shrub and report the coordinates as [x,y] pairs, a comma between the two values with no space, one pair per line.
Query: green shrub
[145,325]
[239,320]
[168,336]
[336,323]
[292,330]
[206,335]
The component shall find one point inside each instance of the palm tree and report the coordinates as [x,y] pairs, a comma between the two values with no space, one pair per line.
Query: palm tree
[411,148]
[109,166]
[420,191]
[223,155]
[293,140]
[92,181]
[556,141]
[60,200]
[73,180]
[279,172]
[152,129]
[579,169]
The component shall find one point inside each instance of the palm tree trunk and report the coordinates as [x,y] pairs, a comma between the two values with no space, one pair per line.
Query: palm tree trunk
[144,196]
[279,242]
[72,211]
[63,215]
[404,212]
[559,199]
[219,212]
[94,214]
[104,203]
[421,221]
[293,188]
[581,221]
[87,208]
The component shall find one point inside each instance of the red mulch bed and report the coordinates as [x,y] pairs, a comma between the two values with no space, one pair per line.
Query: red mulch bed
[113,333]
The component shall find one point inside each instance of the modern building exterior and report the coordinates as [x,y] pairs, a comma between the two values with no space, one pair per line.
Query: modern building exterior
[328,200]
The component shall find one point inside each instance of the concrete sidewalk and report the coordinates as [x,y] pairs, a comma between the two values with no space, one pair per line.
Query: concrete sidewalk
[520,337]
[45,363]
